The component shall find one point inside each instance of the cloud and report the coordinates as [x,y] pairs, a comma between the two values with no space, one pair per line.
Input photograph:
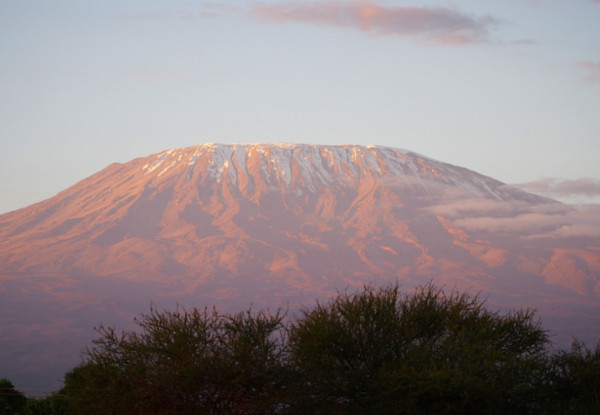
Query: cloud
[446,25]
[529,221]
[480,216]
[537,225]
[584,221]
[560,188]
[465,206]
[527,224]
[471,206]
[591,67]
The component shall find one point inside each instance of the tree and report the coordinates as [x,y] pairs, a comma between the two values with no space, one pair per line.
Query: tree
[53,404]
[376,351]
[184,362]
[339,348]
[373,351]
[573,381]
[11,400]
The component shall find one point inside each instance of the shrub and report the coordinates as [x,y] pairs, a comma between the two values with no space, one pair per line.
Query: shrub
[184,362]
[379,352]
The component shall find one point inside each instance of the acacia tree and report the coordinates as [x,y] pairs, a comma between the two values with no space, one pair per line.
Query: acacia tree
[374,351]
[53,404]
[379,352]
[573,380]
[184,362]
[338,349]
[11,399]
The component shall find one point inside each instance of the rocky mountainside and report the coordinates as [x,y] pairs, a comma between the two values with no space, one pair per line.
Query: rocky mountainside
[279,225]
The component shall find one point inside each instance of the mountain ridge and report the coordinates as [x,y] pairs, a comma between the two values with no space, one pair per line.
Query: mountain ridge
[356,167]
[281,225]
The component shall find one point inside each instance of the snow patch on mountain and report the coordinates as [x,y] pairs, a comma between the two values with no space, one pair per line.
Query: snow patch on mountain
[314,166]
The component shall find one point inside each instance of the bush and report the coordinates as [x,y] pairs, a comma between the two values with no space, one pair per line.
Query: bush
[374,351]
[11,400]
[54,404]
[432,352]
[184,363]
[573,381]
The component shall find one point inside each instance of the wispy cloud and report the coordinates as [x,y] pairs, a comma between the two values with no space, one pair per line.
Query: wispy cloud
[591,67]
[474,207]
[446,25]
[584,221]
[551,220]
[546,219]
[560,188]
[526,224]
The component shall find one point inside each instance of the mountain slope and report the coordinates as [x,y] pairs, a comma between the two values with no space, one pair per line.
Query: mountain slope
[280,225]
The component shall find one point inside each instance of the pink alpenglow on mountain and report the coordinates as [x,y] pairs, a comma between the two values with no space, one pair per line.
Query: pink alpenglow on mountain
[279,225]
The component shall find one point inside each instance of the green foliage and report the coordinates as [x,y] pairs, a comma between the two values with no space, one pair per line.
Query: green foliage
[432,352]
[54,404]
[340,347]
[376,351]
[573,380]
[11,400]
[184,362]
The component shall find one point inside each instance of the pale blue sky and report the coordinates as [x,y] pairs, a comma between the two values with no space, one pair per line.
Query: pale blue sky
[508,88]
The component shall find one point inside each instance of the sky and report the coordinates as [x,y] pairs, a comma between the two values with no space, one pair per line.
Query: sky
[507,88]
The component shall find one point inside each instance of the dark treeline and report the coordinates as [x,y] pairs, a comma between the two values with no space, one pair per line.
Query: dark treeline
[373,352]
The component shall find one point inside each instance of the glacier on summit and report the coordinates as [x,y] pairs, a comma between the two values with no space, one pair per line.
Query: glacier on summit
[317,165]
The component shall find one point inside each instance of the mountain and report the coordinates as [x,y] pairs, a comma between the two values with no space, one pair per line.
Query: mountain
[269,225]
